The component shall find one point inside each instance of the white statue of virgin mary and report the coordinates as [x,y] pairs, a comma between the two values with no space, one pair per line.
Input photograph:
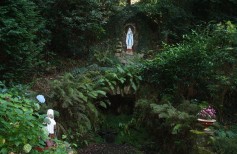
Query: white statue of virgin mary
[129,39]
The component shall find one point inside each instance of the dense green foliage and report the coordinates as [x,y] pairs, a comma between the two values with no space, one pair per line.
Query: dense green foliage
[21,46]
[79,95]
[191,46]
[203,66]
[175,18]
[31,31]
[75,25]
[172,18]
[170,126]
[20,123]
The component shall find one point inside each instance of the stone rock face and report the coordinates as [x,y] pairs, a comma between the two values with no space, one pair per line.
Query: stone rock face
[127,58]
[119,47]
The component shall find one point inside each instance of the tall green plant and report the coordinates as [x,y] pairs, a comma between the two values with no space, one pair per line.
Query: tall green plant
[202,66]
[77,96]
[21,126]
[21,47]
[77,25]
[164,13]
[179,67]
[224,140]
[169,126]
[80,94]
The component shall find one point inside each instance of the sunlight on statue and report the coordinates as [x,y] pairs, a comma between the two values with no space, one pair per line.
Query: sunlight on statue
[134,1]
[129,41]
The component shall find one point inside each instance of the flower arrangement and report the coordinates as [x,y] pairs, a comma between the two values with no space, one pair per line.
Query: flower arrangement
[207,113]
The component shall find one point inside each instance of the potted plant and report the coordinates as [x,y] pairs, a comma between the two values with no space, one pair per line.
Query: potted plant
[207,116]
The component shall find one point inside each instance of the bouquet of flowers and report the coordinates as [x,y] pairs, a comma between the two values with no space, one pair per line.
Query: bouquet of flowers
[207,113]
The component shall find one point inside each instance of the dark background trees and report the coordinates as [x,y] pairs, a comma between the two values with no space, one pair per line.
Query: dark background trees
[195,62]
[33,31]
[20,40]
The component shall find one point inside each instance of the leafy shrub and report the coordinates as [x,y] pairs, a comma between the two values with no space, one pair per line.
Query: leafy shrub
[76,25]
[169,127]
[76,96]
[20,125]
[103,54]
[202,66]
[164,13]
[79,95]
[226,145]
[224,140]
[21,47]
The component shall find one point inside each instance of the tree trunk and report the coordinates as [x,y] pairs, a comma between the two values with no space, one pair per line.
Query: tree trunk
[128,2]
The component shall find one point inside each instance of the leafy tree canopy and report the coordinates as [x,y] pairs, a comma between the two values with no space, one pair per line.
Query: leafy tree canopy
[20,46]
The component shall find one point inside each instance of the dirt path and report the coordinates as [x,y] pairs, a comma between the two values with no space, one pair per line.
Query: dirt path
[109,149]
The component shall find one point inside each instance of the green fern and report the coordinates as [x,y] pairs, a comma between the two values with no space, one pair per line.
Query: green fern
[82,91]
